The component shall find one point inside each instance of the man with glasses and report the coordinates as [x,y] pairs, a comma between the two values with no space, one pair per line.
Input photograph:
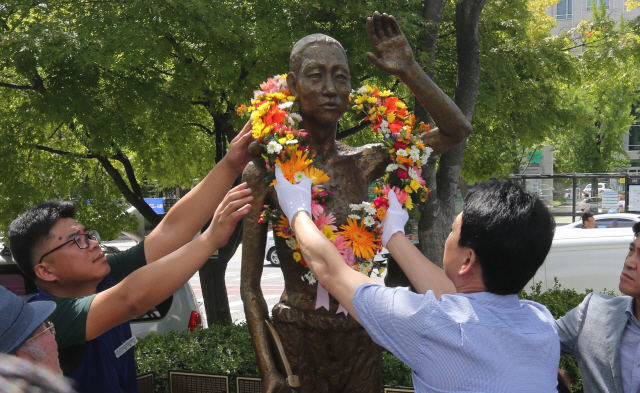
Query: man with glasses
[96,297]
[26,332]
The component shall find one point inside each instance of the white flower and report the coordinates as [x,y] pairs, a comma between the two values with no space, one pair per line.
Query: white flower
[286,105]
[295,116]
[413,174]
[369,221]
[426,155]
[292,142]
[391,167]
[402,153]
[292,243]
[274,147]
[414,153]
[354,216]
[362,90]
[355,206]
[384,127]
[298,177]
[310,277]
[370,210]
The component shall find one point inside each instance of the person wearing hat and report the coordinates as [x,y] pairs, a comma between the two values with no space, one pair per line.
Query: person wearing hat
[26,332]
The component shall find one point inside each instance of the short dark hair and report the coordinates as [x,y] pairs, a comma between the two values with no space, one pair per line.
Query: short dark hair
[636,229]
[511,232]
[31,228]
[586,216]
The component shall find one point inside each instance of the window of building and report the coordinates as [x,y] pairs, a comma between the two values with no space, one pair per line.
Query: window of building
[564,10]
[595,4]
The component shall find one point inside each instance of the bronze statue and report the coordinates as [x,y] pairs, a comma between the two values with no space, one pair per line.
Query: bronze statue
[329,351]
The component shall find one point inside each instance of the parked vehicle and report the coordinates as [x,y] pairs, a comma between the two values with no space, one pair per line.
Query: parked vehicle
[586,192]
[270,250]
[611,220]
[180,311]
[591,204]
[585,259]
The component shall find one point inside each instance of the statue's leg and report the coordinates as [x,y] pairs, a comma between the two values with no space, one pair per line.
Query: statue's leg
[329,353]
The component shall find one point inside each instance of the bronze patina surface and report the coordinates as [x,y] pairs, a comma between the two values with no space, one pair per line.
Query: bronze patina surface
[330,352]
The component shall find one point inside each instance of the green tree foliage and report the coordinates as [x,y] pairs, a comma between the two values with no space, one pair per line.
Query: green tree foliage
[519,102]
[607,57]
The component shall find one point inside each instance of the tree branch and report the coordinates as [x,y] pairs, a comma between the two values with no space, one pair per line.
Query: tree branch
[17,87]
[65,153]
[353,130]
[204,128]
[128,168]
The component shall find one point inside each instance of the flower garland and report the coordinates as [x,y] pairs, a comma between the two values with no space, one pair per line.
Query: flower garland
[275,127]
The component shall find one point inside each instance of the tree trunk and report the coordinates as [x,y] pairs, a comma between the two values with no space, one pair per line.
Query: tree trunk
[214,288]
[437,214]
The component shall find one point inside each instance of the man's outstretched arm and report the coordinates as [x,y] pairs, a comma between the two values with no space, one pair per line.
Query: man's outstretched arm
[187,217]
[151,284]
[422,273]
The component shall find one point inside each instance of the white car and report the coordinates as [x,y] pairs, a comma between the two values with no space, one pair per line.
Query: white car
[611,220]
[587,189]
[586,259]
[270,250]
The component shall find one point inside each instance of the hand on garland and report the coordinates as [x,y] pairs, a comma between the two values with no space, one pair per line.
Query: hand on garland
[293,197]
[395,220]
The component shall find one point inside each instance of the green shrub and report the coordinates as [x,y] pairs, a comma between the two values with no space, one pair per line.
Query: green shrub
[223,349]
[394,372]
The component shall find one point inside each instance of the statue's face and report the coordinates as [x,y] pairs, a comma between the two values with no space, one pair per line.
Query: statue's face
[323,84]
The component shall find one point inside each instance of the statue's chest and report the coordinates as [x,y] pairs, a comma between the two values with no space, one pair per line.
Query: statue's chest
[348,187]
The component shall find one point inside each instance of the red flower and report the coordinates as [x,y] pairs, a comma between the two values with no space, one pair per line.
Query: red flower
[400,145]
[402,173]
[381,202]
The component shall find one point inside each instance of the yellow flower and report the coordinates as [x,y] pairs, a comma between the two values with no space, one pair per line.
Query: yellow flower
[289,137]
[372,100]
[317,176]
[291,98]
[360,107]
[392,151]
[423,198]
[386,177]
[297,256]
[372,110]
[328,232]
[382,109]
[385,93]
[391,117]
[408,189]
[415,184]
[369,89]
[282,140]
[409,203]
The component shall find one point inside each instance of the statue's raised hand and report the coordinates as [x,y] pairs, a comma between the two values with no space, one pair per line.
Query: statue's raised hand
[391,50]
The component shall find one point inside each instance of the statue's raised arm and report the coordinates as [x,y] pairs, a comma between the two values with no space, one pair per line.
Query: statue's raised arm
[393,55]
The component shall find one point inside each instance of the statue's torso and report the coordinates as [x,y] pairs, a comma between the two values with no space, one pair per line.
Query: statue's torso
[351,172]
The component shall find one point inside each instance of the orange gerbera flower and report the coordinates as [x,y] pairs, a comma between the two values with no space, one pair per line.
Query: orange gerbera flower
[316,175]
[360,239]
[297,163]
[404,160]
[283,228]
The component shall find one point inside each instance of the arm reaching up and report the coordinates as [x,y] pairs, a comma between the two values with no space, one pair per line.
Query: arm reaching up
[393,55]
[322,257]
[153,283]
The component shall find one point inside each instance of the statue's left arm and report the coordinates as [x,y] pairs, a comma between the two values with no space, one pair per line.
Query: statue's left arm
[393,55]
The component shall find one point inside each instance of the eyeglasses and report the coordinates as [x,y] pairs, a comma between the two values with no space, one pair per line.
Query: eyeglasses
[47,325]
[82,241]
